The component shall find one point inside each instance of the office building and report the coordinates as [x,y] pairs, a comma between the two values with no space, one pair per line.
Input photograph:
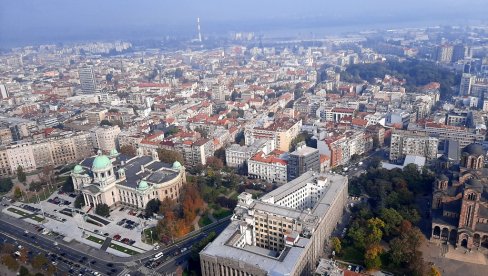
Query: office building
[282,233]
[303,159]
[87,80]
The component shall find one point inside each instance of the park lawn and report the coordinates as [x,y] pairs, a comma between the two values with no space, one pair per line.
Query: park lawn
[123,249]
[222,213]
[37,218]
[43,195]
[18,212]
[204,221]
[95,239]
[147,235]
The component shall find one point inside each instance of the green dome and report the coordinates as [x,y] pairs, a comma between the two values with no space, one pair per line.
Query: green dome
[143,185]
[101,162]
[78,169]
[114,152]
[176,165]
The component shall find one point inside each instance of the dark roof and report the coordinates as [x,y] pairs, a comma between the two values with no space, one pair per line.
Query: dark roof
[474,149]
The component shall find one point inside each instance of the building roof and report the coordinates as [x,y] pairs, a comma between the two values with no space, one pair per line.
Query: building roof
[101,162]
[474,149]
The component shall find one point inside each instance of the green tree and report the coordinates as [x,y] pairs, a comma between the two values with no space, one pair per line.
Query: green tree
[79,201]
[152,207]
[68,186]
[220,154]
[23,271]
[6,185]
[170,156]
[391,218]
[106,123]
[336,245]
[17,192]
[102,210]
[21,176]
[128,150]
[39,261]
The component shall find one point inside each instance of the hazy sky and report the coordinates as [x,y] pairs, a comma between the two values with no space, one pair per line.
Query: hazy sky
[23,21]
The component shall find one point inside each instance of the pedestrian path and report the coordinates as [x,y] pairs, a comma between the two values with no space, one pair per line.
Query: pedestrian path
[105,244]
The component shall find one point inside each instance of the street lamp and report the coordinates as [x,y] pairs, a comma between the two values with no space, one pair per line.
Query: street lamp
[152,242]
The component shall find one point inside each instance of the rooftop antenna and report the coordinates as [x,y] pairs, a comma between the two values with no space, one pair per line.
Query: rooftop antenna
[199,31]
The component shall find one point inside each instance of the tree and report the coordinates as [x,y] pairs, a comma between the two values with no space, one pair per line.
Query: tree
[220,154]
[202,131]
[102,210]
[106,123]
[8,248]
[24,257]
[372,257]
[35,186]
[128,150]
[215,163]
[336,245]
[152,207]
[10,262]
[68,186]
[21,176]
[170,156]
[23,271]
[434,271]
[79,201]
[39,261]
[6,185]
[391,218]
[47,174]
[17,192]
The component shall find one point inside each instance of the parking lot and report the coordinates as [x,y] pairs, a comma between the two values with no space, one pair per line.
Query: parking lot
[124,224]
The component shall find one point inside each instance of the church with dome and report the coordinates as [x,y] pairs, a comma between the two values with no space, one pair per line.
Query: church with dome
[460,202]
[116,179]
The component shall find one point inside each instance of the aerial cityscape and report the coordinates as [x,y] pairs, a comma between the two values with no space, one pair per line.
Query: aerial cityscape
[210,139]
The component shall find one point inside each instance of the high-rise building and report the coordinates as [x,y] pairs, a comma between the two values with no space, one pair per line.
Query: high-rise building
[444,53]
[282,233]
[303,159]
[467,81]
[87,80]
[3,92]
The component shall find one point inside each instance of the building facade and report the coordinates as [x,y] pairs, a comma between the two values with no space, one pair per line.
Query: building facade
[303,159]
[282,233]
[116,180]
[412,143]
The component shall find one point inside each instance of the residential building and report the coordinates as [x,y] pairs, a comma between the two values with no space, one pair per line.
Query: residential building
[463,135]
[105,137]
[271,167]
[282,233]
[282,131]
[404,142]
[236,155]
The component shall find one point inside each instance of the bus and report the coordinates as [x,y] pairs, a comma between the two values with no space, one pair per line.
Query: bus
[158,256]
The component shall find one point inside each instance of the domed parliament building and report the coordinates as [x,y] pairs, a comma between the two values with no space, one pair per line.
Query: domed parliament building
[116,179]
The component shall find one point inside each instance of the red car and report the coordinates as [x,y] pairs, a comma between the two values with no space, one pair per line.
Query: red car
[117,237]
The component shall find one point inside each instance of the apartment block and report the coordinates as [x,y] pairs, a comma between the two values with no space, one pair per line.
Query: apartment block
[303,159]
[404,142]
[271,167]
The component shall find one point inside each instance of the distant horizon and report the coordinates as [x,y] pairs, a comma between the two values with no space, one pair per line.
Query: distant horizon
[30,22]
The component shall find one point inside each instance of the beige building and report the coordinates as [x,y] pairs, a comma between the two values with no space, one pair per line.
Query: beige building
[105,137]
[21,155]
[282,233]
[282,131]
[5,136]
[114,180]
[96,116]
[271,167]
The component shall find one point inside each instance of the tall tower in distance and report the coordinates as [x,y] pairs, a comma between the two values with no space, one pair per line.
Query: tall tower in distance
[199,31]
[87,80]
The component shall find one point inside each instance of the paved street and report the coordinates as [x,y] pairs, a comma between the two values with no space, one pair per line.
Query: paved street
[93,259]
